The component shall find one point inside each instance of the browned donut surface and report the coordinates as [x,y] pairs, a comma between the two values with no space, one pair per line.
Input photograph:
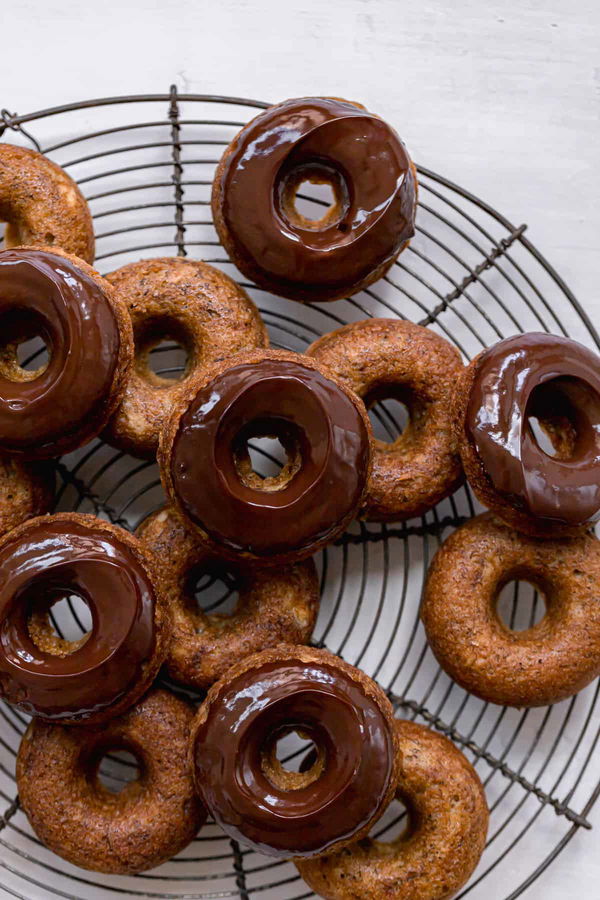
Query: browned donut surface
[26,491]
[193,304]
[42,204]
[541,665]
[385,358]
[275,606]
[80,819]
[445,837]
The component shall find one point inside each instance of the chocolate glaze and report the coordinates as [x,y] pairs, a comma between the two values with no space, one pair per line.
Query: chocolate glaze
[56,558]
[47,295]
[563,488]
[371,174]
[327,706]
[281,396]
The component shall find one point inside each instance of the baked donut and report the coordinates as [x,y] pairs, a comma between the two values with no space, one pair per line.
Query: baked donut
[251,795]
[321,140]
[26,491]
[542,665]
[192,303]
[60,298]
[442,844]
[208,475]
[76,816]
[42,205]
[522,380]
[274,606]
[381,359]
[91,680]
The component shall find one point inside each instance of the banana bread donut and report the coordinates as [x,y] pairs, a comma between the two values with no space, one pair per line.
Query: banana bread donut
[42,205]
[76,816]
[192,303]
[206,467]
[536,667]
[386,358]
[53,558]
[524,380]
[442,844]
[26,491]
[66,403]
[245,787]
[274,606]
[321,140]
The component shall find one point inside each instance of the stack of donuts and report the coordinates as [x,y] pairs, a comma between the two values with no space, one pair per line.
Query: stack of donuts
[255,673]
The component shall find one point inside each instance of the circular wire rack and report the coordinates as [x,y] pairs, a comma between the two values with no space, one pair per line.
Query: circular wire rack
[146,165]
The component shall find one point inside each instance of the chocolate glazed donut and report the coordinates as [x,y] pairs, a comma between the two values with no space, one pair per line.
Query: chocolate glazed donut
[323,141]
[55,557]
[290,814]
[206,468]
[88,333]
[528,377]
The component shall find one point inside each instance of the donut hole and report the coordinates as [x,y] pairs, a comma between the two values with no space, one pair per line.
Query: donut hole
[520,605]
[291,759]
[389,409]
[212,591]
[268,454]
[314,196]
[561,415]
[397,823]
[164,351]
[25,350]
[59,620]
[117,769]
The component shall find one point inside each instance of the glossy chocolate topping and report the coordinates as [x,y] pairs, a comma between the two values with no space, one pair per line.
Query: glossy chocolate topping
[57,558]
[318,139]
[327,706]
[46,295]
[556,381]
[271,397]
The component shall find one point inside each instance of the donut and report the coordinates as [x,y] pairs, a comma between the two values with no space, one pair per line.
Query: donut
[445,837]
[381,359]
[276,606]
[88,333]
[192,303]
[522,380]
[42,205]
[206,467]
[52,558]
[321,140]
[80,819]
[544,664]
[251,795]
[26,491]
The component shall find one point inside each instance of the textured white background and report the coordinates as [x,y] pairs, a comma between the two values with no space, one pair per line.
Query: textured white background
[501,97]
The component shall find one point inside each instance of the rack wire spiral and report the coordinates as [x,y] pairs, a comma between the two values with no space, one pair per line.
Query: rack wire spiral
[146,163]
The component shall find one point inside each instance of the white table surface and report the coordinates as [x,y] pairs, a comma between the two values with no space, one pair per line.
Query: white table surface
[501,97]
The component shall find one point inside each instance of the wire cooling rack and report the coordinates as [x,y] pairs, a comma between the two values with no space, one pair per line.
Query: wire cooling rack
[145,164]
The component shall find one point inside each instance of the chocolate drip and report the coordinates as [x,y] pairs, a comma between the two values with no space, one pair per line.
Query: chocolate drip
[325,140]
[558,381]
[47,295]
[324,704]
[58,558]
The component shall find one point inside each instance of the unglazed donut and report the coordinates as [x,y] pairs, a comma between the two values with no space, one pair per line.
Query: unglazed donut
[444,839]
[192,303]
[277,606]
[384,358]
[76,816]
[556,381]
[258,802]
[87,330]
[55,557]
[323,141]
[42,205]
[26,491]
[206,467]
[542,665]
